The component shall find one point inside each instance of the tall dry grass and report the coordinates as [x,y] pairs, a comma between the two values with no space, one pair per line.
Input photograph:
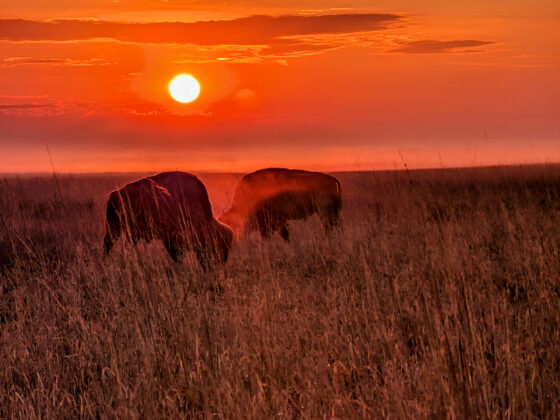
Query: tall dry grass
[439,298]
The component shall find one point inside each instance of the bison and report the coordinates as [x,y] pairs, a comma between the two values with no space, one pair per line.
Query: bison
[267,199]
[173,207]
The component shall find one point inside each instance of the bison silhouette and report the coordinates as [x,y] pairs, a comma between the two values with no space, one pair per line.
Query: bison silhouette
[173,207]
[267,199]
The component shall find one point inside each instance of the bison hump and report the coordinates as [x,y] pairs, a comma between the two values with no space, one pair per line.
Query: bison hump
[188,189]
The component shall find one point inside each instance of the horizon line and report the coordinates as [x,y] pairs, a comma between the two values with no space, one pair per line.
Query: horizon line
[217,172]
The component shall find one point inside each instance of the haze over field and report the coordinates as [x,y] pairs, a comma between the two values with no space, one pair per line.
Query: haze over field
[330,84]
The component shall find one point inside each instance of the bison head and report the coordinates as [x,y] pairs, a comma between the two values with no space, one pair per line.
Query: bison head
[234,220]
[223,238]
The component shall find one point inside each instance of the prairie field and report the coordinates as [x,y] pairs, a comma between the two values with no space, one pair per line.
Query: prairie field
[438,297]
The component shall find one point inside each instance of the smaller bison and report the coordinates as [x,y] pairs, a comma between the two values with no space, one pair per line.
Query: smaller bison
[173,207]
[266,200]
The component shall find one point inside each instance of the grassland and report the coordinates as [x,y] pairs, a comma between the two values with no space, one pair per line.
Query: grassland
[440,297]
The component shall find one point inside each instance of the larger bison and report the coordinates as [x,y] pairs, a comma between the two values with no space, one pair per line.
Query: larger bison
[267,199]
[173,207]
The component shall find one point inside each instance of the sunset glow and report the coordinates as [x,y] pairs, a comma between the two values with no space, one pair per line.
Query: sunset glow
[184,88]
[332,85]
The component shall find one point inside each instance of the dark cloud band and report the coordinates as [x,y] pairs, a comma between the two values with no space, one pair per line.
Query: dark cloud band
[251,30]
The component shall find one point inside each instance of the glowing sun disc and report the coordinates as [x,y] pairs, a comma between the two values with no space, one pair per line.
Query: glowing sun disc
[184,88]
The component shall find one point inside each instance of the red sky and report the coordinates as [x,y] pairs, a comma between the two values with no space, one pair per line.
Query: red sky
[317,84]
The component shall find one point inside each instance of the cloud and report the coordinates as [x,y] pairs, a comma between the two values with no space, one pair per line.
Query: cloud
[19,61]
[430,46]
[23,106]
[14,61]
[26,109]
[42,109]
[253,30]
[297,47]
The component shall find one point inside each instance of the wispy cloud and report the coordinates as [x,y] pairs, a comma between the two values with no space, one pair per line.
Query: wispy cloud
[23,106]
[20,61]
[430,46]
[41,108]
[35,109]
[292,48]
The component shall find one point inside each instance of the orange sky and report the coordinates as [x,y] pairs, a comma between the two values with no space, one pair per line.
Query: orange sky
[318,84]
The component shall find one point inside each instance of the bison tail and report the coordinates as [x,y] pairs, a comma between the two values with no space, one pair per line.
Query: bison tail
[338,195]
[330,214]
[337,202]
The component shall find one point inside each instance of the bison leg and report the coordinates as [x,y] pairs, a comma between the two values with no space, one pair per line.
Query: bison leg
[223,252]
[284,233]
[107,243]
[174,251]
[329,218]
[203,258]
[265,230]
[211,255]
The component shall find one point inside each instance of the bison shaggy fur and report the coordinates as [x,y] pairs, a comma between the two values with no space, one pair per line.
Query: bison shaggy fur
[267,199]
[173,207]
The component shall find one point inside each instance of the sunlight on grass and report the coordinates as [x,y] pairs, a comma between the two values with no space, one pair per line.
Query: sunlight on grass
[440,296]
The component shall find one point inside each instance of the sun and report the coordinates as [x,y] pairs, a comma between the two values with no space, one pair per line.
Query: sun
[184,88]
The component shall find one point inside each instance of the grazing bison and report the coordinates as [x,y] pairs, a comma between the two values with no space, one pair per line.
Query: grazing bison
[266,200]
[173,207]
